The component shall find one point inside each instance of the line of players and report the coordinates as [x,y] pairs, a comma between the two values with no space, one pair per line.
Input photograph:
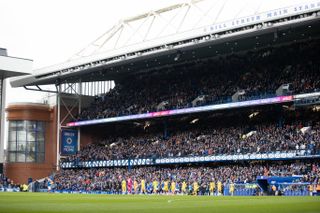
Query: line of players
[130,186]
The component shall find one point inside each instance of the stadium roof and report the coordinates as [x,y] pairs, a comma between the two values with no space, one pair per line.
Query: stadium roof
[12,66]
[189,32]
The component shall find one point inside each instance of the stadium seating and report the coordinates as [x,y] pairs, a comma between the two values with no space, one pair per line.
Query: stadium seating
[7,185]
[196,178]
[257,74]
[253,75]
[205,142]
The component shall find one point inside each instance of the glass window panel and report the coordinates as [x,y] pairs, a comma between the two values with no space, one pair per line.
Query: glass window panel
[31,147]
[12,146]
[40,136]
[30,157]
[26,141]
[22,136]
[31,126]
[12,157]
[21,157]
[21,125]
[21,147]
[31,136]
[40,126]
[40,157]
[12,124]
[41,146]
[12,136]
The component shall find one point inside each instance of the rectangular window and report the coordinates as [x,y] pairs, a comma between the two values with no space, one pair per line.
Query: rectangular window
[12,125]
[41,146]
[12,146]
[21,157]
[31,136]
[21,125]
[40,157]
[21,136]
[31,147]
[21,147]
[26,142]
[12,135]
[40,127]
[30,157]
[40,137]
[31,126]
[12,157]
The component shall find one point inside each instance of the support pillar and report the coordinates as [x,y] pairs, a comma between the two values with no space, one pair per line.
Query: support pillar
[58,124]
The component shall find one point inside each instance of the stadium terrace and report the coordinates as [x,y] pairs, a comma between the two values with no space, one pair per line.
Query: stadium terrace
[224,109]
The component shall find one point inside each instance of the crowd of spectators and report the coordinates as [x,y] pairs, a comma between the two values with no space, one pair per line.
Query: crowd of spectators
[264,138]
[259,74]
[192,178]
[7,184]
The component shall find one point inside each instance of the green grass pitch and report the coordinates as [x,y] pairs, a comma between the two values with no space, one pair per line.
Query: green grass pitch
[43,202]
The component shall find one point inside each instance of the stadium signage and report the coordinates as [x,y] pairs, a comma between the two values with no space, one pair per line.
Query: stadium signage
[265,16]
[69,142]
[274,100]
[178,160]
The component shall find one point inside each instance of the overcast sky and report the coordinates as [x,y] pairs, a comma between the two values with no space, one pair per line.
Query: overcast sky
[51,31]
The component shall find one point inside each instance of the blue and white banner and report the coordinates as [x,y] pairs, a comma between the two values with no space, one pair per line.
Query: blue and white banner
[69,142]
[182,160]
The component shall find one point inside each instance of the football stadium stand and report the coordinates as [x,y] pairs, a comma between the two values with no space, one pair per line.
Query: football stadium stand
[231,110]
[257,74]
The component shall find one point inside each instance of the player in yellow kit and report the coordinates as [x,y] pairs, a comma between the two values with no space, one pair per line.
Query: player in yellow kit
[166,186]
[195,188]
[219,188]
[124,186]
[184,187]
[135,186]
[212,187]
[231,189]
[173,187]
[155,185]
[143,186]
